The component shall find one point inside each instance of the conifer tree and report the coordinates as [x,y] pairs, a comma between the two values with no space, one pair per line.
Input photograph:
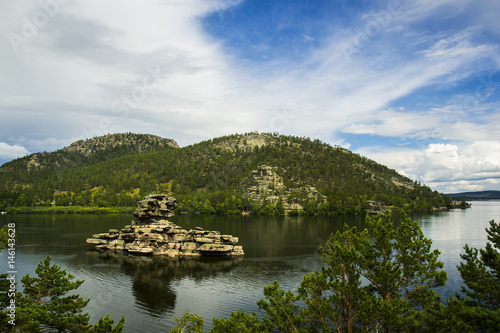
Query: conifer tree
[47,301]
[481,271]
[48,304]
[398,267]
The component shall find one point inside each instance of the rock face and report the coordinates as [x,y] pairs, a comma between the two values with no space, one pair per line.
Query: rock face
[155,205]
[270,186]
[150,233]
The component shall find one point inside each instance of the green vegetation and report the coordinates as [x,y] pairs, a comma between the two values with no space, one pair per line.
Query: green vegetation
[377,280]
[69,210]
[48,302]
[216,177]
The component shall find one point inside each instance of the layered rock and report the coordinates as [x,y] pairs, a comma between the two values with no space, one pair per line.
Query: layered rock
[271,187]
[155,205]
[151,234]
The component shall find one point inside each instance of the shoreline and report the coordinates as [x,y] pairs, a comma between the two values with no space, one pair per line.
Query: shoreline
[69,210]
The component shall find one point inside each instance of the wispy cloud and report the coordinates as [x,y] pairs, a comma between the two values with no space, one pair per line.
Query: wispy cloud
[96,67]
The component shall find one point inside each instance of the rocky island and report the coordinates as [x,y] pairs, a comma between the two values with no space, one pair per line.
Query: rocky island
[151,233]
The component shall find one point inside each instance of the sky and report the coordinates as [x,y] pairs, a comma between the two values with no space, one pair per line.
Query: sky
[411,84]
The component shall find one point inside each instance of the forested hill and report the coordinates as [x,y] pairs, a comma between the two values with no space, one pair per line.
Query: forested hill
[258,173]
[18,176]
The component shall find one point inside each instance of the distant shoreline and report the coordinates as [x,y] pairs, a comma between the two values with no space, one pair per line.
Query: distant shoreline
[69,210]
[128,210]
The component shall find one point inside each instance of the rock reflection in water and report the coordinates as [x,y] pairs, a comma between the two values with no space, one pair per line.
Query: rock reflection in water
[153,276]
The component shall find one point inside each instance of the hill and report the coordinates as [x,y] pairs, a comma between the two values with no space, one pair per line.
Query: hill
[258,173]
[479,195]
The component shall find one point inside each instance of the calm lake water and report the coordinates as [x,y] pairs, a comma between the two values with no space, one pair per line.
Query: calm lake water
[151,291]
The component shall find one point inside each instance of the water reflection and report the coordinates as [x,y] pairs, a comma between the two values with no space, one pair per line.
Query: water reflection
[150,291]
[153,276]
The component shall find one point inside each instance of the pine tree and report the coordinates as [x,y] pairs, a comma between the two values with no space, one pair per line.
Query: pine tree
[47,301]
[48,304]
[105,325]
[480,272]
[398,267]
[188,323]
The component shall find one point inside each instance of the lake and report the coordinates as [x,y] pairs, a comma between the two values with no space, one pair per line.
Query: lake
[151,291]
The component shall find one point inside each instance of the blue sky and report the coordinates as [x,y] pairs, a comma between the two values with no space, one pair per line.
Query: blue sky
[413,84]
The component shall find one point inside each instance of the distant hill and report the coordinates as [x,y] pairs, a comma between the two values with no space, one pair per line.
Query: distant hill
[480,195]
[258,173]
[80,154]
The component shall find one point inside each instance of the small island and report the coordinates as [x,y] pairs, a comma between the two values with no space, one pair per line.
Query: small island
[150,233]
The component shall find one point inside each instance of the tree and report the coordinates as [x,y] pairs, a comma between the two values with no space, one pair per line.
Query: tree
[480,272]
[241,322]
[398,267]
[105,325]
[402,270]
[47,300]
[4,237]
[283,314]
[334,296]
[48,303]
[188,323]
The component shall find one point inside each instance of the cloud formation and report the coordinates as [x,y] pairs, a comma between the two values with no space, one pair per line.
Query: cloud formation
[8,152]
[386,79]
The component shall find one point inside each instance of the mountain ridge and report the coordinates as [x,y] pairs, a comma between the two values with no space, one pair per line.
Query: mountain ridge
[105,147]
[265,173]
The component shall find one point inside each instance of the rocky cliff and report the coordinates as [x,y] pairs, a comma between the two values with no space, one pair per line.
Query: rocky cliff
[270,186]
[150,233]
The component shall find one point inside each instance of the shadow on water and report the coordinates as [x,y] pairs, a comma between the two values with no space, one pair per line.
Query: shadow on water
[153,276]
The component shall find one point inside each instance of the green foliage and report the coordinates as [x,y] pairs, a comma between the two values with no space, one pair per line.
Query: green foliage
[48,304]
[281,309]
[70,210]
[480,271]
[398,265]
[213,177]
[105,325]
[188,323]
[334,297]
[379,279]
[4,237]
[47,299]
[240,322]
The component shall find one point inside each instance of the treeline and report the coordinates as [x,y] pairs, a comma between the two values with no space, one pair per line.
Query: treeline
[214,176]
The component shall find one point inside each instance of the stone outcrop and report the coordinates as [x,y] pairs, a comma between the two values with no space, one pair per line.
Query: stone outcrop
[155,205]
[151,234]
[268,185]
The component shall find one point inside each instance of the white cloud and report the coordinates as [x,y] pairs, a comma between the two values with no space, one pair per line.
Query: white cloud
[446,167]
[97,67]
[96,53]
[9,152]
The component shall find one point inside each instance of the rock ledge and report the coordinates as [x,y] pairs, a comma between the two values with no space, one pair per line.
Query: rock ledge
[151,234]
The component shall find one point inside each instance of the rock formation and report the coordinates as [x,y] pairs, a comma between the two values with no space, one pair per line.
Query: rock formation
[150,233]
[271,187]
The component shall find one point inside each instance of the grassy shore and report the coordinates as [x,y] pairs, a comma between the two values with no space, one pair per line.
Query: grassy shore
[69,210]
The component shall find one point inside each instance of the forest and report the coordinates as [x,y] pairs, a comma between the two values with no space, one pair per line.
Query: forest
[213,177]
